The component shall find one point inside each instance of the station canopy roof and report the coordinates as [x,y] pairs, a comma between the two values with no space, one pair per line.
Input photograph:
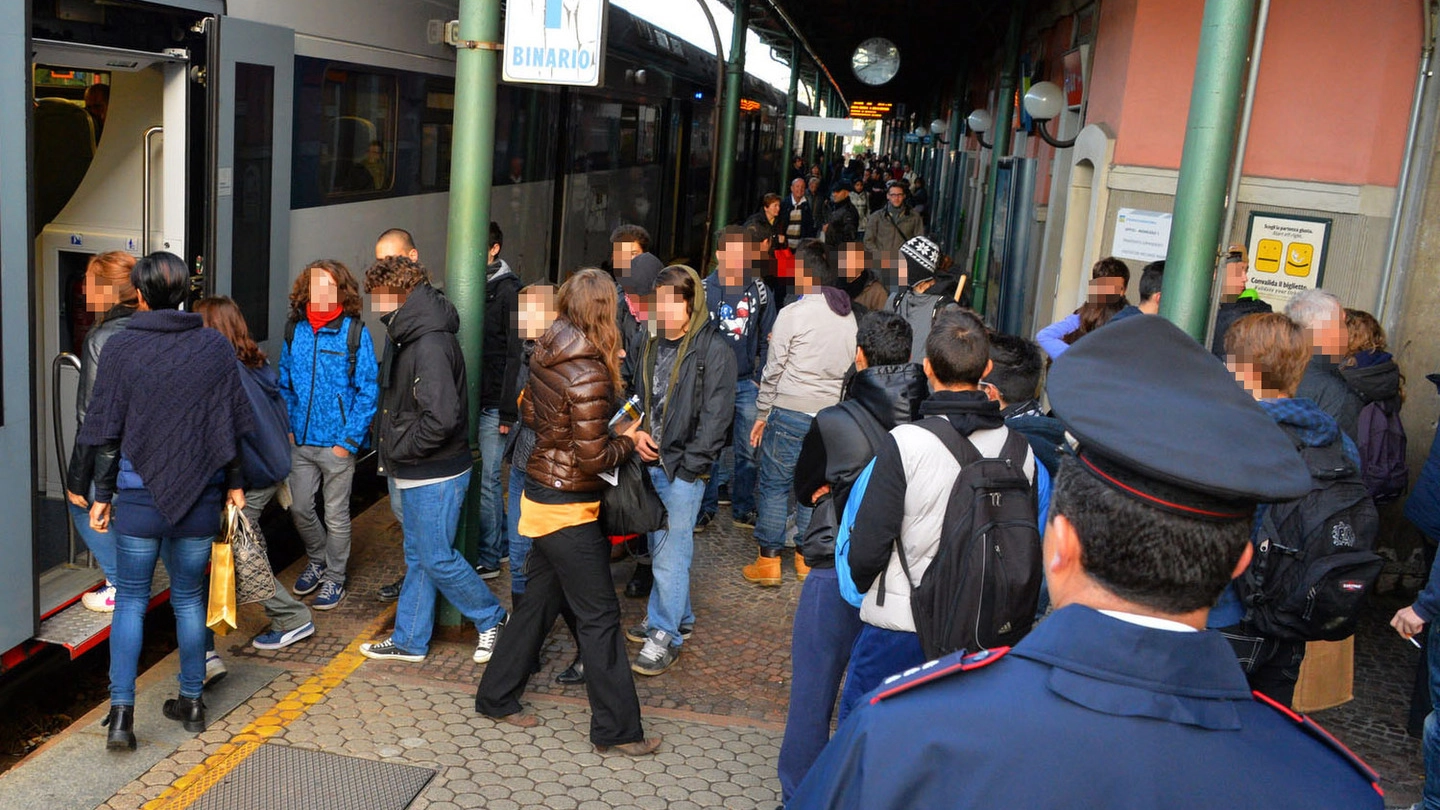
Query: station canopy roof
[935,39]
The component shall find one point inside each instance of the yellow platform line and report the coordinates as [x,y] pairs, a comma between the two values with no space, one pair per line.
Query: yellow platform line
[189,788]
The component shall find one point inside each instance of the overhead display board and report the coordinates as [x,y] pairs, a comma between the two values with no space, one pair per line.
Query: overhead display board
[870,109]
[1287,254]
[555,42]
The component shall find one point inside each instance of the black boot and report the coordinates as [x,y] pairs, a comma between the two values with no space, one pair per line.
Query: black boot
[641,581]
[122,729]
[573,674]
[189,711]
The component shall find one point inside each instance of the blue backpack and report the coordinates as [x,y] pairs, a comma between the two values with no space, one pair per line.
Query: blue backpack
[264,451]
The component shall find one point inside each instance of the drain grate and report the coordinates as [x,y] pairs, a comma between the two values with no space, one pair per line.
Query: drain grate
[278,777]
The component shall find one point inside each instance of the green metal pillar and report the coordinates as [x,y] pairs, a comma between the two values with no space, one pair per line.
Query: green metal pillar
[1205,163]
[730,121]
[472,156]
[1003,116]
[790,100]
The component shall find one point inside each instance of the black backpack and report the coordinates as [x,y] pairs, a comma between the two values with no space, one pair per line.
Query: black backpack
[982,588]
[1313,561]
[1382,451]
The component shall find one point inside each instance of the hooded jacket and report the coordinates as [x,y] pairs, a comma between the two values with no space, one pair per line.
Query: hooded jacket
[811,348]
[699,402]
[745,325]
[1374,377]
[568,403]
[836,449]
[500,357]
[424,405]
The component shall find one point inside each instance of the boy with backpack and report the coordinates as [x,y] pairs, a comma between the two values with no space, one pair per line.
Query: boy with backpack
[886,391]
[328,378]
[924,290]
[1313,562]
[933,485]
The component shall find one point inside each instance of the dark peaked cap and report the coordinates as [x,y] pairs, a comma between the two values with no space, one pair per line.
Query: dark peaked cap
[1159,418]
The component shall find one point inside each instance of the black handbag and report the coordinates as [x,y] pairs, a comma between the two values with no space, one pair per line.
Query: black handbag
[631,506]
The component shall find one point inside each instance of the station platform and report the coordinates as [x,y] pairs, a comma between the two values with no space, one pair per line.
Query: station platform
[319,726]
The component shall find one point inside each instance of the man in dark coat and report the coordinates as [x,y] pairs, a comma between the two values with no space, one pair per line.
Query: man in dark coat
[1323,318]
[1120,698]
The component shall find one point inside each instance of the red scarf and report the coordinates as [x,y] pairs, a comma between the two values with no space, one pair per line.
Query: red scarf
[320,318]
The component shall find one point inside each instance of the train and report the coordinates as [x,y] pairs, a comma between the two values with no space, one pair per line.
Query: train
[250,137]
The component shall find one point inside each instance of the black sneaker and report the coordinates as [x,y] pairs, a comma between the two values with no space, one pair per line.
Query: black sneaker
[703,522]
[724,496]
[387,651]
[487,573]
[746,520]
[391,592]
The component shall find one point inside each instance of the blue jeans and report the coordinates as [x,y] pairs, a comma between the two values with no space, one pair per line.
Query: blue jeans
[101,544]
[437,568]
[492,502]
[742,482]
[186,559]
[395,508]
[1432,723]
[825,630]
[671,550]
[779,450]
[519,545]
[878,653]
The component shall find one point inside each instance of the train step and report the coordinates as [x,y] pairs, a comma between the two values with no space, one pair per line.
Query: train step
[79,630]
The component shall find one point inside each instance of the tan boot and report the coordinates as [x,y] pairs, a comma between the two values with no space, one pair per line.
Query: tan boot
[801,569]
[764,571]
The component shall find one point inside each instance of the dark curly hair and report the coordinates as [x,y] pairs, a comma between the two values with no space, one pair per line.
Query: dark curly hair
[349,290]
[396,273]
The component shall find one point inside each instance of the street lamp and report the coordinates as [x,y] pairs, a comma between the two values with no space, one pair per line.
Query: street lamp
[1043,101]
[980,122]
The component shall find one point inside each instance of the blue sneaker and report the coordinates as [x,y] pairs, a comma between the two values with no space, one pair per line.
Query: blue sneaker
[309,579]
[330,595]
[276,640]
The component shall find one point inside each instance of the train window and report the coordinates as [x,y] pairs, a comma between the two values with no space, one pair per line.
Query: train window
[364,133]
[525,120]
[254,146]
[359,132]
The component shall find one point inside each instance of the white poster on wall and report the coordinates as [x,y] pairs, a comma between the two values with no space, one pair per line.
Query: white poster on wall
[1141,235]
[554,42]
[1287,255]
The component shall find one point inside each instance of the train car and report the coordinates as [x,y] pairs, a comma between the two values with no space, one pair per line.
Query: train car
[250,137]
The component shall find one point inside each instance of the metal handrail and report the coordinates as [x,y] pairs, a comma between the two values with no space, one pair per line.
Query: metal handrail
[62,459]
[145,190]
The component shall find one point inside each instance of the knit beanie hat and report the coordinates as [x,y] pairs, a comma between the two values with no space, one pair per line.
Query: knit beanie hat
[923,254]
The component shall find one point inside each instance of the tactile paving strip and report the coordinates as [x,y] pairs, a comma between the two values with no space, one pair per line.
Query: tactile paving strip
[278,777]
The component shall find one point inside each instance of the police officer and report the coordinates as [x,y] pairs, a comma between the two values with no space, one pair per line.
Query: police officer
[1119,699]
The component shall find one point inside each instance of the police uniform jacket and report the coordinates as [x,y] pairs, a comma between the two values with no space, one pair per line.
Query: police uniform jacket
[1088,711]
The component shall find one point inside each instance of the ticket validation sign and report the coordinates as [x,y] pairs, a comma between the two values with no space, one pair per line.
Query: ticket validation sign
[555,42]
[1287,255]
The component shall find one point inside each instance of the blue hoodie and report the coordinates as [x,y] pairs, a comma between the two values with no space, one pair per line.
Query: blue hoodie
[327,408]
[1317,429]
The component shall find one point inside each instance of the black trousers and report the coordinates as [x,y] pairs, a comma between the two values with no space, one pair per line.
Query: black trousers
[571,565]
[1271,666]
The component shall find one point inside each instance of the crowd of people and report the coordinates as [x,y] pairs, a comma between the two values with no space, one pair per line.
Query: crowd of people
[944,488]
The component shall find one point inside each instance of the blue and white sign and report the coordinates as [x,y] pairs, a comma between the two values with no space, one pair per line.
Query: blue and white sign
[555,42]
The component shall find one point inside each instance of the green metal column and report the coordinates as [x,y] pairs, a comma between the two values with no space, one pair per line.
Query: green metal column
[789,154]
[730,122]
[472,155]
[1205,163]
[1003,116]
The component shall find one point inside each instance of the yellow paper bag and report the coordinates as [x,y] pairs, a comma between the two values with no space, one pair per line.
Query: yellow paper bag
[221,616]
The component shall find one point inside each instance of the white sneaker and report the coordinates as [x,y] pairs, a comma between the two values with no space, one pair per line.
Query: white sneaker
[101,601]
[214,669]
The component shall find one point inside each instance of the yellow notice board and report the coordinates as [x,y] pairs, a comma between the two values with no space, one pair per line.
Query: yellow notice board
[1287,254]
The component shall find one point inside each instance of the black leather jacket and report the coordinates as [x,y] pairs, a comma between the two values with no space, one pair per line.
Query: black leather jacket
[84,461]
[836,450]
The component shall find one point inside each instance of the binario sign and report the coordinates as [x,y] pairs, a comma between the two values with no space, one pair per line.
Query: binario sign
[555,42]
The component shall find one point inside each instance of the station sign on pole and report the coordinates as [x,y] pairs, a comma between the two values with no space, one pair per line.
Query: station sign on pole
[555,42]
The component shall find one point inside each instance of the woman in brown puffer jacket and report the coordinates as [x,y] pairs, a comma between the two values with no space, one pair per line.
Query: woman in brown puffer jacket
[573,391]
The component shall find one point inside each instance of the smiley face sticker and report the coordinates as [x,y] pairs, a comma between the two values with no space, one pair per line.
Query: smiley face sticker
[1268,253]
[1298,259]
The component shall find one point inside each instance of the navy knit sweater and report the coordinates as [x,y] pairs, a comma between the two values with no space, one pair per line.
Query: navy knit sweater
[169,392]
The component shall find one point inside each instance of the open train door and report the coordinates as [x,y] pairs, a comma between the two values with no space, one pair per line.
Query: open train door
[18,600]
[252,182]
